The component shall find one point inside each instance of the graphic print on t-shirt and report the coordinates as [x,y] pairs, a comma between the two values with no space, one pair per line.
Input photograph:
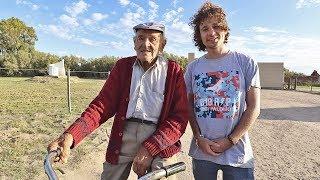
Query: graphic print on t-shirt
[217,94]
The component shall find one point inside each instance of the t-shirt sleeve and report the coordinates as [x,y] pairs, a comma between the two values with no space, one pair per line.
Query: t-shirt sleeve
[252,76]
[188,79]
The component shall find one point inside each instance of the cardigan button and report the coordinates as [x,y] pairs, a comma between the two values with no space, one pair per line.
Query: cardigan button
[123,118]
[117,151]
[120,134]
[127,99]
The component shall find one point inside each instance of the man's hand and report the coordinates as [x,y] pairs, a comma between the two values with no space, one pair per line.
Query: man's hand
[64,142]
[142,161]
[221,145]
[205,145]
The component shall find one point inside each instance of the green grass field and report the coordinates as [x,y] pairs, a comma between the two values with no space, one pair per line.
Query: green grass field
[33,112]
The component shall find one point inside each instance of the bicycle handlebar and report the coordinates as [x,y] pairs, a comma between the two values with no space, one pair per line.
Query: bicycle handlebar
[164,171]
[47,164]
[157,174]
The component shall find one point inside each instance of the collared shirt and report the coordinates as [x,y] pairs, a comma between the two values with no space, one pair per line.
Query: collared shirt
[147,90]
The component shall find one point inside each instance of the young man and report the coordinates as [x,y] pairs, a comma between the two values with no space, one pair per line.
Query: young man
[147,95]
[224,96]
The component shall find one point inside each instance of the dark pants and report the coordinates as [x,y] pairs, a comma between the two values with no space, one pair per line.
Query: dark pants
[207,170]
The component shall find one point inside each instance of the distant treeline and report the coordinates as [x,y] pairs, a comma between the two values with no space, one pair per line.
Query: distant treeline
[18,53]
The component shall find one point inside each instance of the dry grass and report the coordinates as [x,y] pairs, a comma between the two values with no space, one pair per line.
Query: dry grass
[33,112]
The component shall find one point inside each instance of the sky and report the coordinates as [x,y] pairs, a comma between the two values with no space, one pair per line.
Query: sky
[269,31]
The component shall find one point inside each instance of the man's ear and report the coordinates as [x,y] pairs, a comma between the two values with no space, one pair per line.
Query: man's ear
[163,44]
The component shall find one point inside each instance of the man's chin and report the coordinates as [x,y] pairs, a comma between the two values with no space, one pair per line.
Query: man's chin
[212,46]
[145,58]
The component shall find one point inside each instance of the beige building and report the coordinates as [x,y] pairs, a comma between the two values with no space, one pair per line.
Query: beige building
[271,75]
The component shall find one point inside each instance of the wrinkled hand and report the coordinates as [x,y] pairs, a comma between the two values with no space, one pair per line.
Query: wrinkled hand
[64,142]
[205,145]
[221,145]
[142,161]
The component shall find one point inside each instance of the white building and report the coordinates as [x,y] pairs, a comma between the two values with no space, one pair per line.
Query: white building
[57,69]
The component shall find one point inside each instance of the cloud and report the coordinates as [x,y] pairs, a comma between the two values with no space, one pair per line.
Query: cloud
[259,29]
[35,7]
[153,10]
[232,13]
[98,16]
[87,22]
[175,2]
[124,2]
[130,18]
[172,14]
[77,8]
[270,46]
[307,3]
[31,5]
[116,30]
[95,17]
[109,45]
[179,32]
[117,45]
[57,31]
[122,30]
[87,42]
[69,20]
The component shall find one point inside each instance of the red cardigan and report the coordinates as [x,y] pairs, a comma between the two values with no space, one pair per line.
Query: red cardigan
[113,100]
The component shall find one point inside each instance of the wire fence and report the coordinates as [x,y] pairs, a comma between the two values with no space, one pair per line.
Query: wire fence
[23,72]
[42,75]
[80,86]
[308,85]
[7,72]
[90,74]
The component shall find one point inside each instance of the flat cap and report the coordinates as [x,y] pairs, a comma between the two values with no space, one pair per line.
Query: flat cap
[151,26]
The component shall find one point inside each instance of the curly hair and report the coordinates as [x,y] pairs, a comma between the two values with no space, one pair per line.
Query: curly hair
[208,10]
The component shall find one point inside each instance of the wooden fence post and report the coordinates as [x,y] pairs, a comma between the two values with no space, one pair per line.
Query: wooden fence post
[289,84]
[69,93]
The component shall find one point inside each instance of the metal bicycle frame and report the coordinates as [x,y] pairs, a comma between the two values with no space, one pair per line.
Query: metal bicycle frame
[157,174]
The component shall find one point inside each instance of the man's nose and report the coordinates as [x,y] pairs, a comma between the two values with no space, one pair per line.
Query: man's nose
[211,32]
[146,42]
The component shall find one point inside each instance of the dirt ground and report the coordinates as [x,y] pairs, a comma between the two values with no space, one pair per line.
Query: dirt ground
[285,139]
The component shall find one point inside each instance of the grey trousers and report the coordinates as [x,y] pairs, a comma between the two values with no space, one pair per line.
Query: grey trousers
[133,135]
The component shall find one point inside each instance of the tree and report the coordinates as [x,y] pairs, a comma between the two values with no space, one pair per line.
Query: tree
[73,62]
[181,60]
[16,45]
[41,60]
[16,36]
[315,73]
[103,64]
[291,74]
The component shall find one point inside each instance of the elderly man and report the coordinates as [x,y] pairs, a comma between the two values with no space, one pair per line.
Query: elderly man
[147,95]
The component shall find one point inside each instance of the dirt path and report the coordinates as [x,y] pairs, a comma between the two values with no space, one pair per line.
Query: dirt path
[286,141]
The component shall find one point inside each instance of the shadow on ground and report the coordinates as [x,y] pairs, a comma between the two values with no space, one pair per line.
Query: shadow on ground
[306,114]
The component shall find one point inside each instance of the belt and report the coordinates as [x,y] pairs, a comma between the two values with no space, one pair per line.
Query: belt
[141,121]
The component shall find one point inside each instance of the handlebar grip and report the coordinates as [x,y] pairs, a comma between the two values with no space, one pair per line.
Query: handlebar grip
[175,168]
[164,171]
[48,166]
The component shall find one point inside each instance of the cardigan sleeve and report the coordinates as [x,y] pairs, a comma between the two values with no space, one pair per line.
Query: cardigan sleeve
[171,128]
[100,109]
